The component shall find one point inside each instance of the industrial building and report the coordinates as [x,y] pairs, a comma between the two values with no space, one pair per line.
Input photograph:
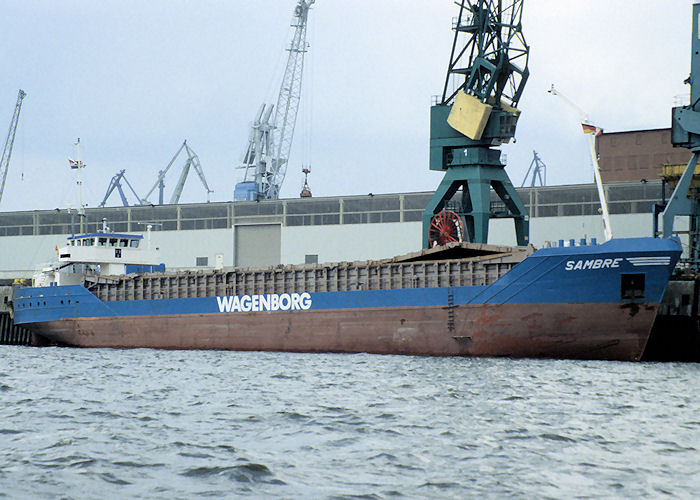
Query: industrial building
[348,228]
[297,231]
[637,155]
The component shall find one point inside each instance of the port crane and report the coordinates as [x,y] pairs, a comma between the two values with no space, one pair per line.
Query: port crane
[116,183]
[266,156]
[9,141]
[591,131]
[191,162]
[685,133]
[538,169]
[476,113]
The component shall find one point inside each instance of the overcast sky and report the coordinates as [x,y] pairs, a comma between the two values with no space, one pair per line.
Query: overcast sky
[133,79]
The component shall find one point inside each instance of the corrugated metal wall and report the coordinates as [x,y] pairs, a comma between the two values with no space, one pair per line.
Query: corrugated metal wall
[370,275]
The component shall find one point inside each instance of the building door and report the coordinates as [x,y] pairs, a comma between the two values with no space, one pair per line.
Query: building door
[258,245]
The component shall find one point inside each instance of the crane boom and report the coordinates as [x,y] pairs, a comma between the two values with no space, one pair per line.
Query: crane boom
[591,132]
[161,174]
[9,142]
[192,161]
[289,98]
[538,169]
[115,183]
[270,142]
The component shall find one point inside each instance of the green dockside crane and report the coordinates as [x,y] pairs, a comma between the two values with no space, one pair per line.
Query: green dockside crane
[476,113]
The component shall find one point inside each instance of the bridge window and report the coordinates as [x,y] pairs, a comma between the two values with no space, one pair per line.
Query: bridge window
[123,243]
[113,242]
[102,242]
[134,243]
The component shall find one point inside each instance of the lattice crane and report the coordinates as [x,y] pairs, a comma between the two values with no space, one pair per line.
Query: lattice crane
[476,113]
[9,142]
[192,161]
[270,142]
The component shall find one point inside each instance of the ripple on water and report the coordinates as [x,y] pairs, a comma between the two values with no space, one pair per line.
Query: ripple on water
[248,472]
[161,424]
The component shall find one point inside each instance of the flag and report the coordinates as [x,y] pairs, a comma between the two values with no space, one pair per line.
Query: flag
[74,164]
[591,129]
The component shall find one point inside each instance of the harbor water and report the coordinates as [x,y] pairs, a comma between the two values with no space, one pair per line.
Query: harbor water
[99,423]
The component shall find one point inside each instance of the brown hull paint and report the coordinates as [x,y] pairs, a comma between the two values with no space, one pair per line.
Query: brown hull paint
[576,331]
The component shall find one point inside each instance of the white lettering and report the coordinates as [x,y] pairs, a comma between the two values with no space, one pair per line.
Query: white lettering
[575,265]
[224,303]
[245,303]
[267,302]
[285,306]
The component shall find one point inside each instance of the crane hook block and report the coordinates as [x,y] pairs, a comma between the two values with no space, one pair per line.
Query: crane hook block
[469,115]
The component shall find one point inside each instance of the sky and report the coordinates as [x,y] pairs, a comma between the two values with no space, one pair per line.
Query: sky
[134,79]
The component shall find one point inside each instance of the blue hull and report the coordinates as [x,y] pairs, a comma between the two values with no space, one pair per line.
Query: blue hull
[616,280]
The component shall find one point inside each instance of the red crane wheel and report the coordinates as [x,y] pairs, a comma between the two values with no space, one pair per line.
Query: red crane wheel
[446,227]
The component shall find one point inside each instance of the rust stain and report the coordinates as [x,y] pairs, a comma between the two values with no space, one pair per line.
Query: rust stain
[500,330]
[633,308]
[531,321]
[566,320]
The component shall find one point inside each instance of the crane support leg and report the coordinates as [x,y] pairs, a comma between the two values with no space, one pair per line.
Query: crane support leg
[679,203]
[476,184]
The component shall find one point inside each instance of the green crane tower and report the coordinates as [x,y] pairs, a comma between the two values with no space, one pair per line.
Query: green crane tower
[477,113]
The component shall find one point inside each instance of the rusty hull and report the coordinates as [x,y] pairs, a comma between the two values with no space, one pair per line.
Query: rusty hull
[607,331]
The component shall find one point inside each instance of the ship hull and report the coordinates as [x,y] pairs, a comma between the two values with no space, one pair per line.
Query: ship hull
[585,302]
[583,331]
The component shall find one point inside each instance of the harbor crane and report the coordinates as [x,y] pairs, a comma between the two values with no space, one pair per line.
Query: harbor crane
[270,141]
[539,171]
[476,113]
[115,183]
[592,132]
[9,142]
[192,162]
[685,133]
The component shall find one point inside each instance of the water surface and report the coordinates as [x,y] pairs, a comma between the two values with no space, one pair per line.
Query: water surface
[100,423]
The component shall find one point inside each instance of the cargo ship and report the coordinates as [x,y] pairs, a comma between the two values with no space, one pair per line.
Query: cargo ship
[575,300]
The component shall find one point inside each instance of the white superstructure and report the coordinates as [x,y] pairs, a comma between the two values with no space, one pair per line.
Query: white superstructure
[103,252]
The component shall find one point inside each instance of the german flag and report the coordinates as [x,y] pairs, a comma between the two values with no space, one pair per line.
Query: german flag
[591,129]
